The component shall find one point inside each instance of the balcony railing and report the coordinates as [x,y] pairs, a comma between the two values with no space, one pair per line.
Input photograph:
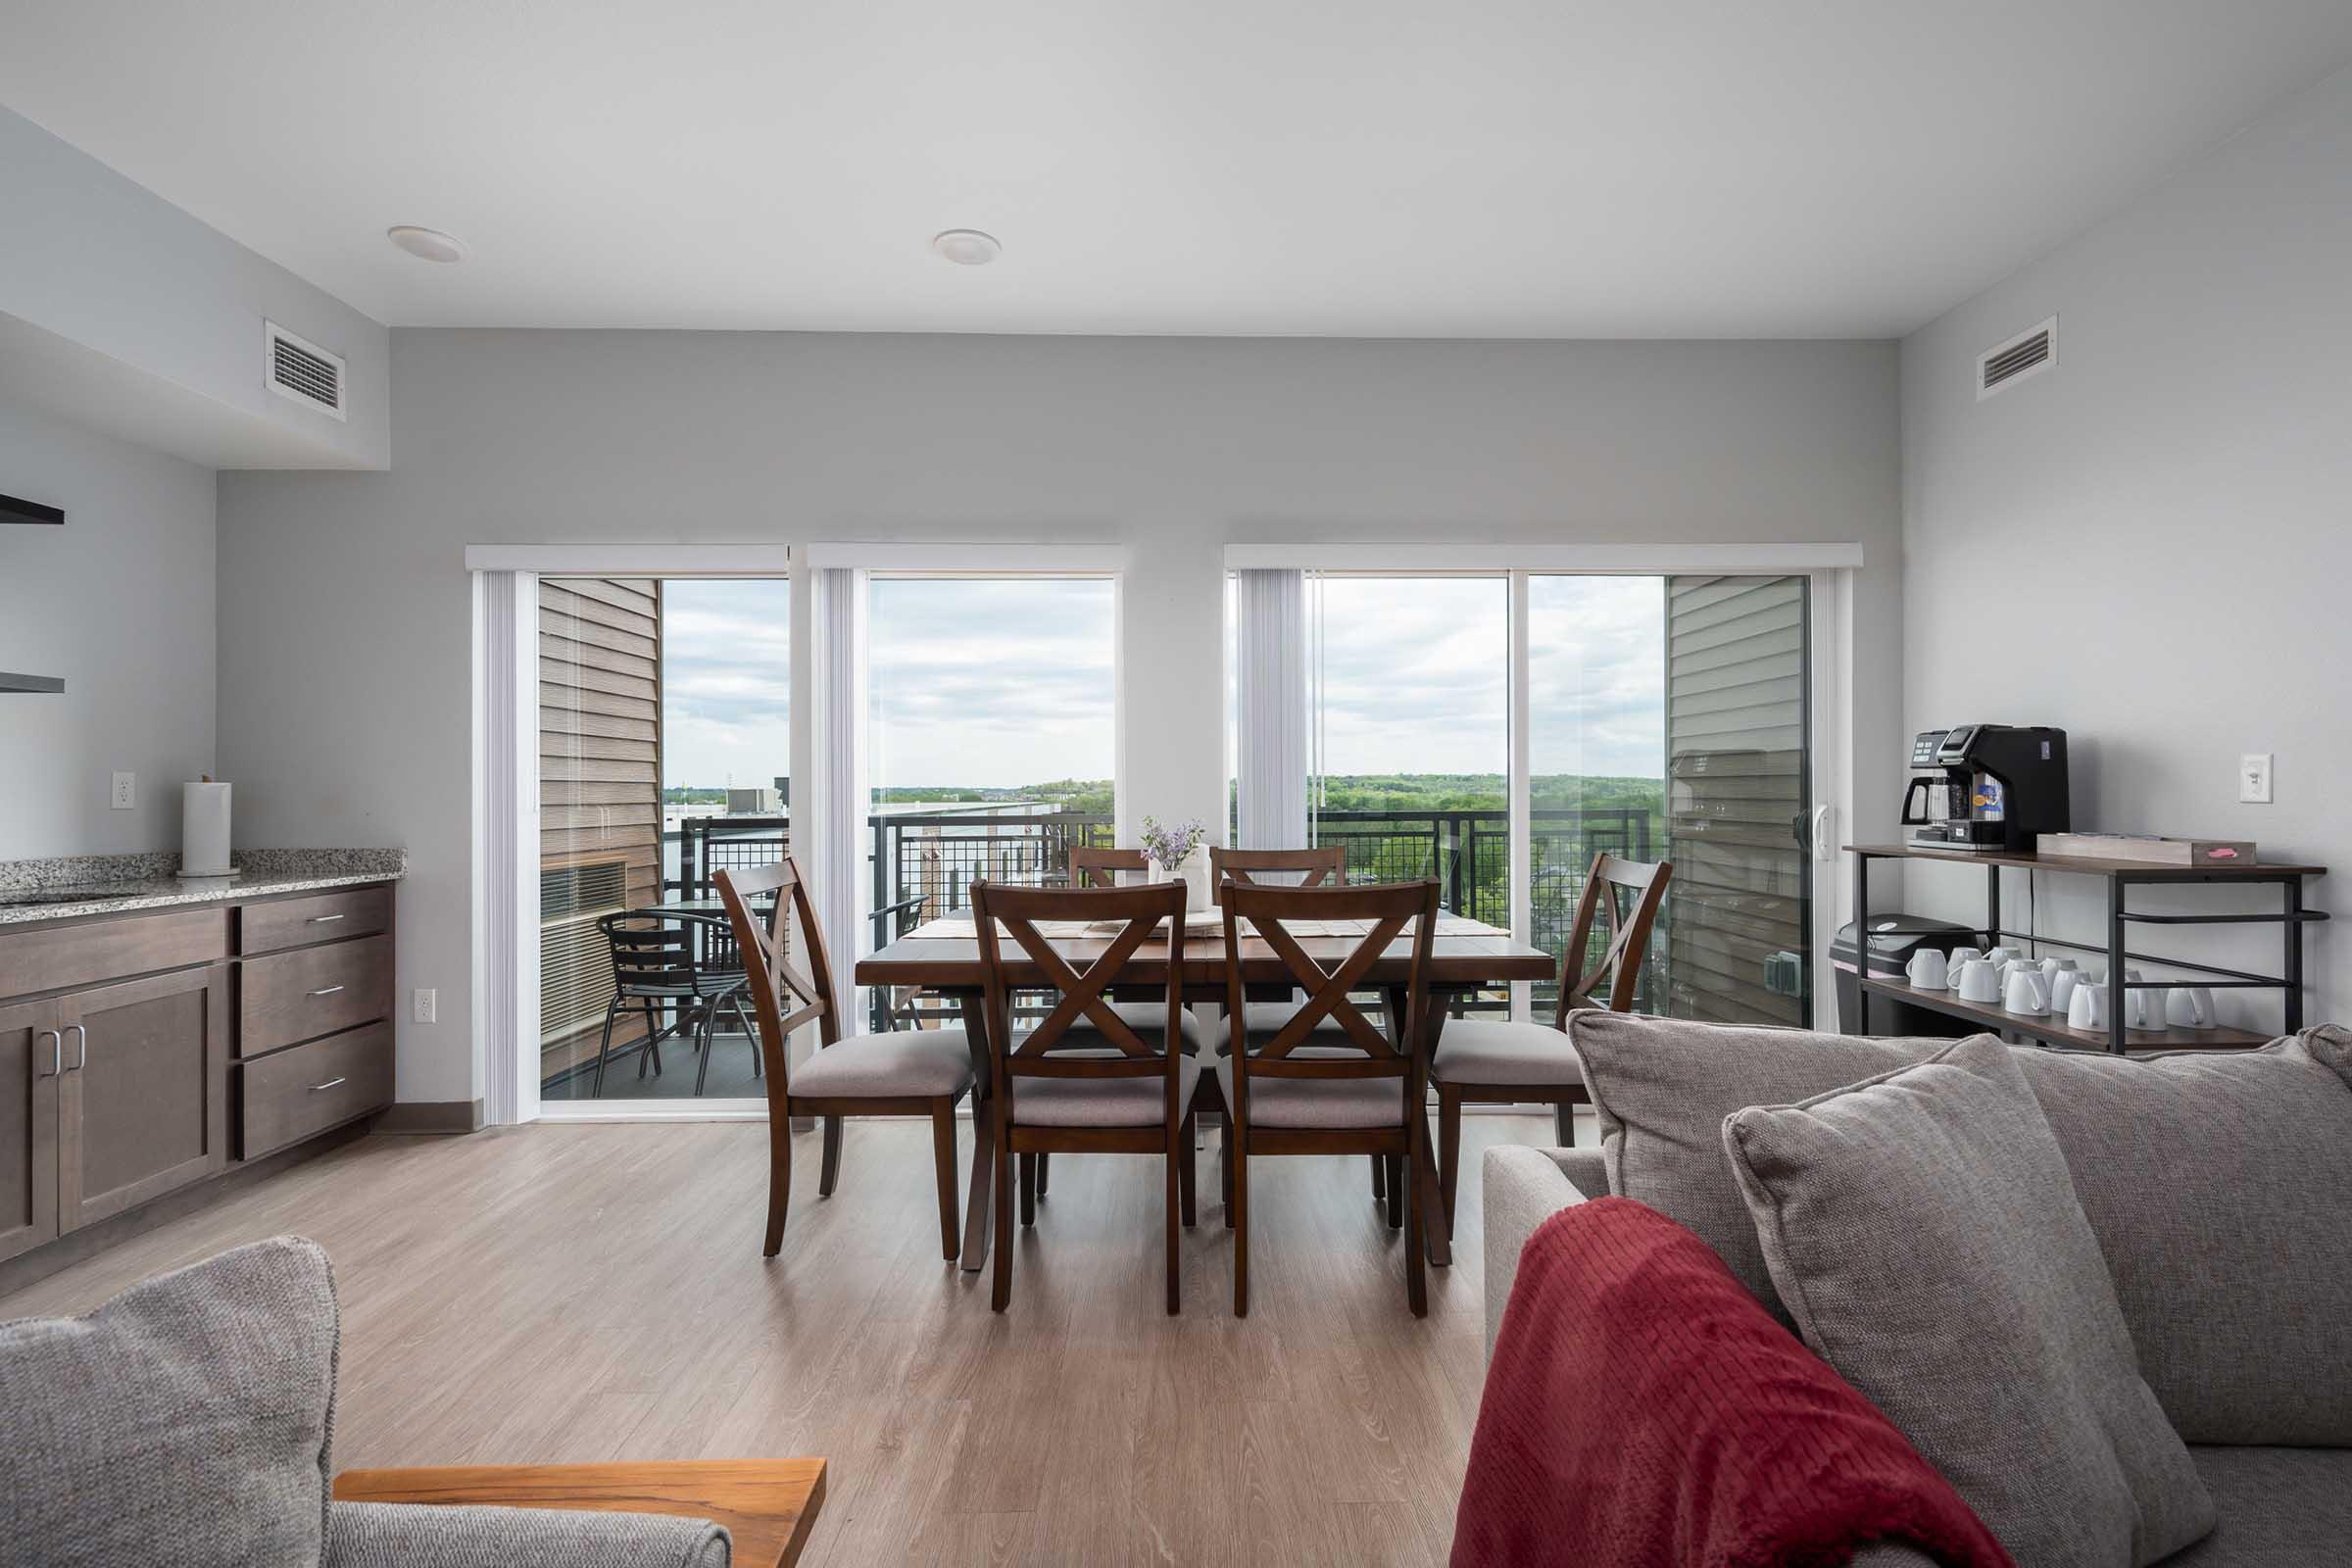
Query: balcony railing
[924,862]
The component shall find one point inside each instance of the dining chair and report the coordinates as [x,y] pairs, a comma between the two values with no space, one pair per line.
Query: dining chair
[1098,866]
[1130,1097]
[902,1073]
[655,970]
[1285,1096]
[1492,1063]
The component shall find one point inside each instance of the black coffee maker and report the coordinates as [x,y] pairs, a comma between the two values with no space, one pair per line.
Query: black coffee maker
[1991,787]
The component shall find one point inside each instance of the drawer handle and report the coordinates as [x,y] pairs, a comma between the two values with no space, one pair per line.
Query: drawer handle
[329,1084]
[324,919]
[328,991]
[57,1054]
[81,1045]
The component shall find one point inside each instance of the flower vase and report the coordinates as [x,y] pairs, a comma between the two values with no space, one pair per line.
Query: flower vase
[1193,872]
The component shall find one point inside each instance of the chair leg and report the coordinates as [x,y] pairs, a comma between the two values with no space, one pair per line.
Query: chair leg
[705,1036]
[1175,1197]
[1185,1173]
[1000,1295]
[1379,1178]
[1416,1248]
[748,1033]
[1028,1167]
[1450,1145]
[1041,1157]
[943,1155]
[1392,1185]
[1237,1216]
[603,1049]
[829,1171]
[779,1177]
[1225,1168]
[1563,1122]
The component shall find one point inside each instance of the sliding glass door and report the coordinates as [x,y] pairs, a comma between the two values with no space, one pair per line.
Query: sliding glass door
[1667,719]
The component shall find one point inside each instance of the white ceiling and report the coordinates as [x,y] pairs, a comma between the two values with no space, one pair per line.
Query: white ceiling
[1582,168]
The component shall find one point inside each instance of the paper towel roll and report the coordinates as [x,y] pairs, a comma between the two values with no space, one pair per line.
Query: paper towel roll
[204,830]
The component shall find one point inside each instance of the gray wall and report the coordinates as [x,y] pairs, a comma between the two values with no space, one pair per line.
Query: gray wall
[345,610]
[126,313]
[2149,545]
[119,601]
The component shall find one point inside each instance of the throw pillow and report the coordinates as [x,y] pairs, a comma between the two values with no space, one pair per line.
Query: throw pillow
[1923,1231]
[186,1420]
[2219,1187]
[1661,1088]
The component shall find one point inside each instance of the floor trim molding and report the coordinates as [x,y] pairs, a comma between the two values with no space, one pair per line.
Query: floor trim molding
[431,1116]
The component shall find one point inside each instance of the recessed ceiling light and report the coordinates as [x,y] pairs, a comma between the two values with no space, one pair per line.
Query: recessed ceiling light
[966,247]
[428,244]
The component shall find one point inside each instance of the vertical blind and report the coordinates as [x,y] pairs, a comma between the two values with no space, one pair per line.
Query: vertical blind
[1270,707]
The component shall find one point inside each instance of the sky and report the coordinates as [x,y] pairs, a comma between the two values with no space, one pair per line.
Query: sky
[994,682]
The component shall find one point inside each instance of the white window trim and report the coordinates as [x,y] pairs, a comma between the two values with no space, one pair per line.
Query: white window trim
[1474,560]
[633,560]
[961,558]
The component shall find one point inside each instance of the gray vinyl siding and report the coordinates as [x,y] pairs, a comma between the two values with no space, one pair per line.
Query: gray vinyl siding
[1736,785]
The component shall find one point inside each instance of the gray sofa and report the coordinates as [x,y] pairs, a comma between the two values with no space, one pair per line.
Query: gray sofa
[2226,1228]
[189,1420]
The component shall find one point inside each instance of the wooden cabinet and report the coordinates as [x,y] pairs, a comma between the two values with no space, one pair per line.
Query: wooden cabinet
[142,1053]
[142,1104]
[31,1057]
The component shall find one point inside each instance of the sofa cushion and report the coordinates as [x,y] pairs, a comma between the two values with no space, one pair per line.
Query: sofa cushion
[2220,1185]
[186,1420]
[1662,1087]
[2280,1507]
[410,1535]
[1923,1229]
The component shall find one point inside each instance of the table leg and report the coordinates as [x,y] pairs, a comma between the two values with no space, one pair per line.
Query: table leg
[976,1215]
[1435,1231]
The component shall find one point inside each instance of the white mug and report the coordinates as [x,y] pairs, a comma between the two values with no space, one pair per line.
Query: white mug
[2063,983]
[2026,995]
[1927,971]
[2087,1008]
[2141,1009]
[1980,981]
[2188,1007]
[1956,960]
[2051,968]
[1997,955]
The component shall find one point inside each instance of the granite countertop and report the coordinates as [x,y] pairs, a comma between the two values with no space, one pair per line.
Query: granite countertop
[71,886]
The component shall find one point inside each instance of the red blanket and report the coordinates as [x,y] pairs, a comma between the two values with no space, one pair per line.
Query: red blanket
[1645,1409]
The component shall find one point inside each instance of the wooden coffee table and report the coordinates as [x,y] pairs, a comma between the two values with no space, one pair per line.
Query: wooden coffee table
[766,1504]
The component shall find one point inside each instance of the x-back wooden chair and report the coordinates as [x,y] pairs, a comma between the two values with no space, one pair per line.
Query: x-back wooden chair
[1313,868]
[1492,1063]
[904,1073]
[1124,1095]
[1098,866]
[1290,1095]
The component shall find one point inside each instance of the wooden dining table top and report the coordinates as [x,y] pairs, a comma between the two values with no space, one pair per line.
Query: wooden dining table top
[945,954]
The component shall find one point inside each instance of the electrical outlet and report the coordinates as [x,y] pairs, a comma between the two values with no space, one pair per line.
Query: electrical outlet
[2254,779]
[427,1005]
[125,795]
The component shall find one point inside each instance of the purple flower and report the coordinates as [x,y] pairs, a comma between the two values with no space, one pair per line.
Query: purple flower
[1169,846]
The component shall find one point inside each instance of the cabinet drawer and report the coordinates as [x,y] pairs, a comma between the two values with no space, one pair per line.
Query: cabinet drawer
[319,918]
[58,957]
[314,991]
[286,1097]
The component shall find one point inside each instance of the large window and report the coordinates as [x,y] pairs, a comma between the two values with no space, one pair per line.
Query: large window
[665,728]
[1666,719]
[991,735]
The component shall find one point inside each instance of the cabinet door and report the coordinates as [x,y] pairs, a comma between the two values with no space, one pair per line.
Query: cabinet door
[31,1055]
[143,1104]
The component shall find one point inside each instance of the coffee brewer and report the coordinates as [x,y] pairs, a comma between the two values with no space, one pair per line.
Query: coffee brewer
[1991,787]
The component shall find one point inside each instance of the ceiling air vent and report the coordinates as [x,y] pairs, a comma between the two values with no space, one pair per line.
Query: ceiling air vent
[305,371]
[2027,354]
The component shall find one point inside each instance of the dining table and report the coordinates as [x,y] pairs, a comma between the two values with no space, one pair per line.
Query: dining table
[942,956]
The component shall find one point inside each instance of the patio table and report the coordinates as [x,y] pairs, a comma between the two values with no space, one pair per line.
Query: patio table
[944,956]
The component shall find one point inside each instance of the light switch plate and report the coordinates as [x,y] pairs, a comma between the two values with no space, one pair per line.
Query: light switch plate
[427,1005]
[2254,779]
[125,796]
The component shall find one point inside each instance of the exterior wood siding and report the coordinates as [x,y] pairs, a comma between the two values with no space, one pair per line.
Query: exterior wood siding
[599,793]
[1736,785]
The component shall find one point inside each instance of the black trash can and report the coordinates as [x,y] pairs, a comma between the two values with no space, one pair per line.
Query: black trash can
[1894,938]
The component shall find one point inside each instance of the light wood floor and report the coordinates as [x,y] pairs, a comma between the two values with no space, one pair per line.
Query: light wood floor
[586,1293]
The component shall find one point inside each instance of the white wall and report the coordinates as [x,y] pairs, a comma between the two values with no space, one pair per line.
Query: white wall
[121,311]
[2149,545]
[344,608]
[119,601]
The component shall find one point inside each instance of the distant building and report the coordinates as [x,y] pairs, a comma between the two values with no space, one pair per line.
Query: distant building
[754,803]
